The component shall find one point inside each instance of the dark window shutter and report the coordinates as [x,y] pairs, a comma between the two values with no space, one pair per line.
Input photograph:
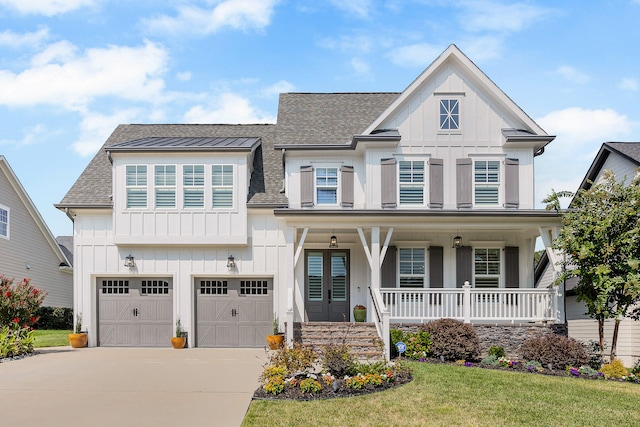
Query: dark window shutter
[464,183]
[306,186]
[436,260]
[389,185]
[464,265]
[347,186]
[512,267]
[436,183]
[511,183]
[388,270]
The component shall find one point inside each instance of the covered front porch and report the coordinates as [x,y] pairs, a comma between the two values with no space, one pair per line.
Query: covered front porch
[408,268]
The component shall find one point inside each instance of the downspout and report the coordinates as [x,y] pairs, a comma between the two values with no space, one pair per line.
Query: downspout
[282,190]
[69,215]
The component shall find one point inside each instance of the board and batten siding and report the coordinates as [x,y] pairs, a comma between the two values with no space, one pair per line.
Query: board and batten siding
[27,245]
[98,255]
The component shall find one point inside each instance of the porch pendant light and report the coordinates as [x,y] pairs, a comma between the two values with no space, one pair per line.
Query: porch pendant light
[457,242]
[333,242]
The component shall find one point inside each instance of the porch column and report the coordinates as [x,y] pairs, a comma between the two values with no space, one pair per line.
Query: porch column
[289,278]
[375,257]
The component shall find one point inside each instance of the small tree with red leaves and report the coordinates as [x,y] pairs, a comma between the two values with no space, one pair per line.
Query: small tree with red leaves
[19,302]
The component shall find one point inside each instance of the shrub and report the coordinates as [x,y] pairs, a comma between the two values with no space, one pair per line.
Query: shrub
[636,368]
[294,359]
[557,350]
[19,302]
[614,369]
[310,385]
[15,340]
[533,366]
[497,351]
[337,359]
[452,339]
[490,360]
[418,344]
[54,318]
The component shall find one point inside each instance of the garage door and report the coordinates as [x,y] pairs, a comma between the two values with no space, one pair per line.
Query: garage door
[135,312]
[233,312]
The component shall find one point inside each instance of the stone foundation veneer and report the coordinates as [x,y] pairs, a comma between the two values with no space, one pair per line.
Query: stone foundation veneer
[508,336]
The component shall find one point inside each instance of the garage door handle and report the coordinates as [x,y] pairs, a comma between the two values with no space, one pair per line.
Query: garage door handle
[234,312]
[135,312]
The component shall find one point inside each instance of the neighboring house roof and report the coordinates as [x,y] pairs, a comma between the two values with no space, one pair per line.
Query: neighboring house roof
[33,211]
[93,188]
[66,245]
[628,150]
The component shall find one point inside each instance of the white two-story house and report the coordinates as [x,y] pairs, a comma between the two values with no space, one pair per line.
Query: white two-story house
[418,205]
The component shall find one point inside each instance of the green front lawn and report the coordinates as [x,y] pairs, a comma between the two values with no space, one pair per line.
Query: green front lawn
[446,395]
[51,338]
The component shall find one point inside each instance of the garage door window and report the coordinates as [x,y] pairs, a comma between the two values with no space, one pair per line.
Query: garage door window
[115,286]
[155,287]
[253,287]
[213,287]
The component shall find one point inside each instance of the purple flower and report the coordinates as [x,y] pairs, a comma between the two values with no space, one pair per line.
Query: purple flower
[468,364]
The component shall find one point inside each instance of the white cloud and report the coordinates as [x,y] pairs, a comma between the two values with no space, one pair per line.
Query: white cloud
[493,16]
[483,48]
[359,8]
[46,7]
[234,14]
[577,126]
[360,66]
[276,89]
[572,74]
[421,54]
[183,76]
[60,75]
[16,40]
[96,127]
[228,108]
[629,83]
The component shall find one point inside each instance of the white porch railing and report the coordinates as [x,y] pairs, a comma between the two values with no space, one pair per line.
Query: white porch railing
[469,304]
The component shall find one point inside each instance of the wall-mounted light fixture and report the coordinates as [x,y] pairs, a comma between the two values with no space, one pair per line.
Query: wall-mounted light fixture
[457,242]
[231,262]
[129,261]
[333,242]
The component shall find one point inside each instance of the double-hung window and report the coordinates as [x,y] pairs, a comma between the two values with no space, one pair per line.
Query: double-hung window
[411,182]
[449,114]
[165,186]
[222,186]
[136,183]
[193,186]
[486,177]
[327,186]
[4,222]
[411,263]
[487,267]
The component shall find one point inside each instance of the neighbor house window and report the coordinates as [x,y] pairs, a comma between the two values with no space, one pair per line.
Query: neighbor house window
[412,267]
[136,182]
[222,186]
[4,222]
[487,267]
[165,186]
[449,114]
[411,182]
[486,177]
[193,186]
[327,186]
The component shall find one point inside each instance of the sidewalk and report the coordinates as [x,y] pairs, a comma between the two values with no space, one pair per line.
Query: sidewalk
[129,387]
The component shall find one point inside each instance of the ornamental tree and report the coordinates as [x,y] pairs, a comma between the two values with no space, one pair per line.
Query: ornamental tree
[600,235]
[19,302]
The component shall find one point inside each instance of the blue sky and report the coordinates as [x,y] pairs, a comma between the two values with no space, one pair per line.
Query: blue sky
[72,70]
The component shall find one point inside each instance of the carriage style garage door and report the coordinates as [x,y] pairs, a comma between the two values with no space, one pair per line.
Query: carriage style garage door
[135,312]
[233,312]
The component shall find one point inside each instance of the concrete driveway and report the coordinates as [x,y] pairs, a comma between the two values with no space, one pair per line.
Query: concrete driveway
[129,387]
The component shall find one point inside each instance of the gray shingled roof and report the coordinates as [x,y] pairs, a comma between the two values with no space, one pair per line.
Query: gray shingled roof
[66,245]
[328,118]
[303,118]
[627,149]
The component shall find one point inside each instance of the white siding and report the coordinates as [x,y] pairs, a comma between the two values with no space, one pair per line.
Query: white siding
[624,169]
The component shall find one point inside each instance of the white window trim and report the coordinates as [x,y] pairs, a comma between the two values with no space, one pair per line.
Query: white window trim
[492,245]
[232,186]
[175,187]
[185,187]
[501,183]
[338,184]
[8,236]
[456,96]
[425,181]
[425,275]
[127,187]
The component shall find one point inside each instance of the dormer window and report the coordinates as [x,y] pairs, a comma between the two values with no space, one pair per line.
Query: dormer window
[136,181]
[222,186]
[193,186]
[449,114]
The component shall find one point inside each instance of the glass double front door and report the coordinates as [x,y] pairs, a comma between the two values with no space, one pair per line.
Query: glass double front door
[327,285]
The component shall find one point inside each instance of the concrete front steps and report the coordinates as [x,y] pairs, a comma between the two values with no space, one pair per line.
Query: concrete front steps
[362,337]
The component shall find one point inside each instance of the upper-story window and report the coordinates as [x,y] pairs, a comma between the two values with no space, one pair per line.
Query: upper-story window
[487,267]
[326,186]
[165,186]
[4,222]
[136,182]
[411,265]
[486,178]
[222,186]
[193,186]
[449,114]
[411,182]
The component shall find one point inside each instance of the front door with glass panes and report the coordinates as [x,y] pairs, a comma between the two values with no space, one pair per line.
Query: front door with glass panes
[327,286]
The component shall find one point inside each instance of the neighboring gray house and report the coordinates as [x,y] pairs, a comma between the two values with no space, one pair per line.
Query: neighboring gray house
[418,205]
[623,159]
[27,247]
